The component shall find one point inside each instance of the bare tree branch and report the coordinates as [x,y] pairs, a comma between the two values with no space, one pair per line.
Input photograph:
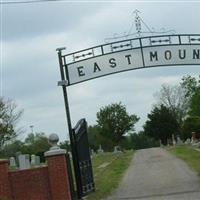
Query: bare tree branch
[174,98]
[9,116]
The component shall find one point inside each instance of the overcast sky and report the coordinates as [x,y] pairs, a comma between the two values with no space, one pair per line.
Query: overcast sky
[30,34]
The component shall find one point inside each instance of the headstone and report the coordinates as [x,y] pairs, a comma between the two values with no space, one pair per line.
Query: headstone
[193,139]
[196,145]
[92,152]
[169,142]
[33,160]
[188,141]
[117,149]
[24,162]
[17,157]
[12,163]
[37,160]
[179,141]
[160,143]
[100,150]
[173,140]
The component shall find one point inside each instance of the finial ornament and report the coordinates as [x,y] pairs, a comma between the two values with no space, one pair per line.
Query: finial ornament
[139,24]
[55,149]
[53,140]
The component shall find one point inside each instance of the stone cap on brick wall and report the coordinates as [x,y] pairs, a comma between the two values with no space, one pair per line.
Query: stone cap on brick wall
[55,149]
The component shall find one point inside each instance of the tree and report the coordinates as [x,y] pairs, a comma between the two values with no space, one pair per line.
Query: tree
[9,116]
[174,98]
[138,141]
[190,84]
[141,141]
[114,122]
[36,144]
[161,124]
[11,149]
[192,92]
[191,124]
[65,145]
[94,137]
[195,103]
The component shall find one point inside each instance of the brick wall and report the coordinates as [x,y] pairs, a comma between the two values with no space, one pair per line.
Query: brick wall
[43,183]
[57,177]
[30,184]
[5,190]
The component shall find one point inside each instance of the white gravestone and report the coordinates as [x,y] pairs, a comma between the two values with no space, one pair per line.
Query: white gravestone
[92,153]
[24,162]
[117,149]
[173,140]
[13,162]
[188,141]
[35,160]
[100,150]
[179,141]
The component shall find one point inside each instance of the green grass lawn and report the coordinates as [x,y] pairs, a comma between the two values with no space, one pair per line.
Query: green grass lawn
[108,169]
[189,155]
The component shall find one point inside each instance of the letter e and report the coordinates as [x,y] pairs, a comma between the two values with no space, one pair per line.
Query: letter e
[80,71]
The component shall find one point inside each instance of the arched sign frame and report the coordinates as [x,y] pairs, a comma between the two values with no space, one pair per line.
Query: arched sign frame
[131,54]
[125,55]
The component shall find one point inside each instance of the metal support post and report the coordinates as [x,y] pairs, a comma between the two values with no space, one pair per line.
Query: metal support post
[63,84]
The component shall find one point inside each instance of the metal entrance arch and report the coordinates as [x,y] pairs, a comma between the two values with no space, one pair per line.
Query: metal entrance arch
[119,56]
[131,54]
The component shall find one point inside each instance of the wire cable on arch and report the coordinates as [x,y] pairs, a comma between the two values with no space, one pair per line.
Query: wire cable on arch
[26,1]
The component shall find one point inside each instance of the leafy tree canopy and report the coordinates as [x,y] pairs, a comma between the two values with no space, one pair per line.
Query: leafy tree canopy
[142,141]
[161,124]
[190,84]
[94,137]
[195,103]
[65,145]
[192,91]
[191,124]
[114,122]
[11,149]
[36,143]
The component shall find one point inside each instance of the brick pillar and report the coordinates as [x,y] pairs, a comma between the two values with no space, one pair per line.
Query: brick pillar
[5,190]
[57,170]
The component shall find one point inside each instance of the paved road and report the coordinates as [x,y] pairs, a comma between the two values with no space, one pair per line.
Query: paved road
[154,174]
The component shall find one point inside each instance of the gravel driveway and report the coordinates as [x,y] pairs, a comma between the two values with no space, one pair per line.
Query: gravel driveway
[155,174]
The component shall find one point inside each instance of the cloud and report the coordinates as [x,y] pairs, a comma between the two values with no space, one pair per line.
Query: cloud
[32,20]
[31,33]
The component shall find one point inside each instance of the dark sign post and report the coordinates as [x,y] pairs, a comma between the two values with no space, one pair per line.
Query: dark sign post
[79,145]
[63,83]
